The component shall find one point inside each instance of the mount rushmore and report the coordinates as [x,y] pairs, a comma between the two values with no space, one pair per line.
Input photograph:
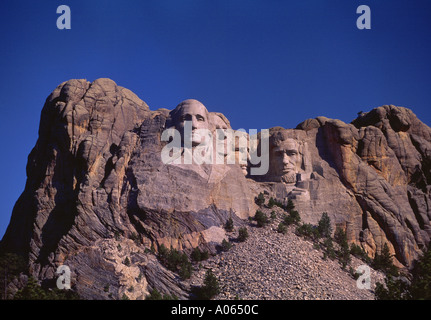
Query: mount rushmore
[98,180]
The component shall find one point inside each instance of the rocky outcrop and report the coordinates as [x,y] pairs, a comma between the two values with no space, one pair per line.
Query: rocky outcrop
[98,192]
[382,160]
[96,174]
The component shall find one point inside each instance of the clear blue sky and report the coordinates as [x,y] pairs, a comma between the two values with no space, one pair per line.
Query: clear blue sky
[261,63]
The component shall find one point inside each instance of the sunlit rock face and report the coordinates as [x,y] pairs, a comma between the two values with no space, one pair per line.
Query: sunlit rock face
[97,183]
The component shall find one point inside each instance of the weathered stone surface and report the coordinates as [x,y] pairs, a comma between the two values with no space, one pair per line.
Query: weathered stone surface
[96,181]
[96,173]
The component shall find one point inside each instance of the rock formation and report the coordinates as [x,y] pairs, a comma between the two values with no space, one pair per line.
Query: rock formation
[98,190]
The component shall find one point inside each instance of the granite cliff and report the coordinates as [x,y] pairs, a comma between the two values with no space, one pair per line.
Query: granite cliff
[97,190]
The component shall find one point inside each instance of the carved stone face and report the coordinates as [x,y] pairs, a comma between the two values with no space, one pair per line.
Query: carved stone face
[218,122]
[286,160]
[242,154]
[195,112]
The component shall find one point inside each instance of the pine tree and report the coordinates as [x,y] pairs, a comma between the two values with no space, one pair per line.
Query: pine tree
[343,254]
[10,266]
[185,267]
[292,218]
[31,291]
[229,225]
[340,236]
[242,234]
[226,245]
[260,200]
[261,218]
[282,228]
[329,247]
[290,206]
[154,295]
[394,289]
[421,282]
[196,254]
[271,202]
[211,286]
[324,226]
[398,288]
[383,261]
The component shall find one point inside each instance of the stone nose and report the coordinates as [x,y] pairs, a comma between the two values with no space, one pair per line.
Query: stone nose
[286,159]
[194,123]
